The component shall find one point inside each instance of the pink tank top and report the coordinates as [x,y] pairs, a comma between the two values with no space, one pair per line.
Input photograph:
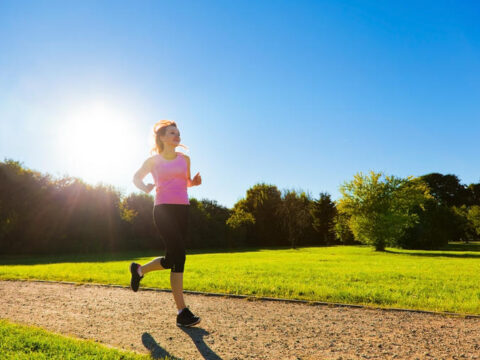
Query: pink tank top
[170,178]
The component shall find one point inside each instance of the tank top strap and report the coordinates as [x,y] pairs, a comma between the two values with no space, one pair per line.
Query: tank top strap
[180,156]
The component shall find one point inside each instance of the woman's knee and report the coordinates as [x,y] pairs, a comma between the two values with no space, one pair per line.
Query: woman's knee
[174,261]
[166,262]
[179,263]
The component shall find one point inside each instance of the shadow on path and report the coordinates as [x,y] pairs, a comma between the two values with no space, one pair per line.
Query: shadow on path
[197,334]
[156,351]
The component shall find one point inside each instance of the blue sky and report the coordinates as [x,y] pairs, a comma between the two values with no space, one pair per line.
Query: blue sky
[299,94]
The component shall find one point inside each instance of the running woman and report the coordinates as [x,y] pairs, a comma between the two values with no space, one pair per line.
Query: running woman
[171,174]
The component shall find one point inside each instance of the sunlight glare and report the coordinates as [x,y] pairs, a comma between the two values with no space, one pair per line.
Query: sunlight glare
[99,142]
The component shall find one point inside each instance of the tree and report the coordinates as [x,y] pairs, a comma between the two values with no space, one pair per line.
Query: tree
[469,219]
[208,226]
[473,194]
[136,212]
[295,213]
[239,222]
[323,212]
[380,209]
[474,217]
[446,189]
[437,225]
[41,215]
[262,202]
[342,229]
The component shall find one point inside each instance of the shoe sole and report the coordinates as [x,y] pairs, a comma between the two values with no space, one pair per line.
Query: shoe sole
[189,325]
[132,265]
[132,270]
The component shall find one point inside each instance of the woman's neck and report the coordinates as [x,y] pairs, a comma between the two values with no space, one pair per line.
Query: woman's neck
[169,152]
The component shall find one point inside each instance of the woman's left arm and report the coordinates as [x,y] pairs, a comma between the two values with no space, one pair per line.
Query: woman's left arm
[197,179]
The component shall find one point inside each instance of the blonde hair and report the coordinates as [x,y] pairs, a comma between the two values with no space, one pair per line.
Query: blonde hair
[159,129]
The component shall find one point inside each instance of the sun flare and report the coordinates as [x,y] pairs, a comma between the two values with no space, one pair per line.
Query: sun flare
[97,141]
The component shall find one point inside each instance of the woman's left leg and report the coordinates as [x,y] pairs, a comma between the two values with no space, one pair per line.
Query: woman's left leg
[152,266]
[176,282]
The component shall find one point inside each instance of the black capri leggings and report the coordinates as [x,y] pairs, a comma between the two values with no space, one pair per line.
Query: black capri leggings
[171,221]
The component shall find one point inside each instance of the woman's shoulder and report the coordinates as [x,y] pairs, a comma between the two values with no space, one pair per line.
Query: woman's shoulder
[185,156]
[151,160]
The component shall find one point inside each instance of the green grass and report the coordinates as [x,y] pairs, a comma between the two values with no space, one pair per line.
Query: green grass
[447,280]
[28,342]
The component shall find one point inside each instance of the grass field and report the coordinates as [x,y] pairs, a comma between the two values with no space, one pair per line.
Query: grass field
[26,342]
[447,280]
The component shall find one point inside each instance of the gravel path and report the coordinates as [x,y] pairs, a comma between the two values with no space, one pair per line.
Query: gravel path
[236,328]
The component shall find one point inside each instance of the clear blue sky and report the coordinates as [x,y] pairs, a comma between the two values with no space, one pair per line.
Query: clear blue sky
[299,94]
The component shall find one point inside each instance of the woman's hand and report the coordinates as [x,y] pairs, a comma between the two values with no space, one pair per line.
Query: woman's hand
[197,180]
[149,188]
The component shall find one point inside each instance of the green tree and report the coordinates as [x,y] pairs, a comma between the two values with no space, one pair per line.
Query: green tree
[296,217]
[208,226]
[239,223]
[446,189]
[42,215]
[473,194]
[474,217]
[469,219]
[380,207]
[437,225]
[137,215]
[342,229]
[262,202]
[323,212]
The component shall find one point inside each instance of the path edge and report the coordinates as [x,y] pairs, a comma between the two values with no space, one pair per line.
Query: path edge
[259,298]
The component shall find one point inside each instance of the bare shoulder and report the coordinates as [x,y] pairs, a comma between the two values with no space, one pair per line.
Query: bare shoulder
[147,167]
[186,157]
[148,164]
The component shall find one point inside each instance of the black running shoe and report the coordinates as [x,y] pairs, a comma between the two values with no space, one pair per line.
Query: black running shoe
[187,319]
[135,280]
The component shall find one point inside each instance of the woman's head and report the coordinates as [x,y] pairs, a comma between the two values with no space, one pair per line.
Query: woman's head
[166,132]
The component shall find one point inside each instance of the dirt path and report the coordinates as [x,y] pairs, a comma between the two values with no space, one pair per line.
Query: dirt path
[236,328]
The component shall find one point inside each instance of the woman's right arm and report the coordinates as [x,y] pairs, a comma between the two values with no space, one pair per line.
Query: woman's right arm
[141,173]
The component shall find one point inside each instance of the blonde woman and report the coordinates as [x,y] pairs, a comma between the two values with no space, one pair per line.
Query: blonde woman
[171,174]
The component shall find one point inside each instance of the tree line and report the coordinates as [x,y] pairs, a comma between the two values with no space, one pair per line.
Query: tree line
[43,215]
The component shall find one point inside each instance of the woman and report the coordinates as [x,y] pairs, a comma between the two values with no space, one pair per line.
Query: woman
[171,173]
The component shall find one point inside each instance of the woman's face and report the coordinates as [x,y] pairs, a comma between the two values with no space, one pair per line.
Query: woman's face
[172,136]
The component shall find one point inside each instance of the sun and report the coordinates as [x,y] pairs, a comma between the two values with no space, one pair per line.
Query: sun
[97,141]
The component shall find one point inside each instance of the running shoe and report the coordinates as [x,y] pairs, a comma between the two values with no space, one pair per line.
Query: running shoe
[187,319]
[135,280]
